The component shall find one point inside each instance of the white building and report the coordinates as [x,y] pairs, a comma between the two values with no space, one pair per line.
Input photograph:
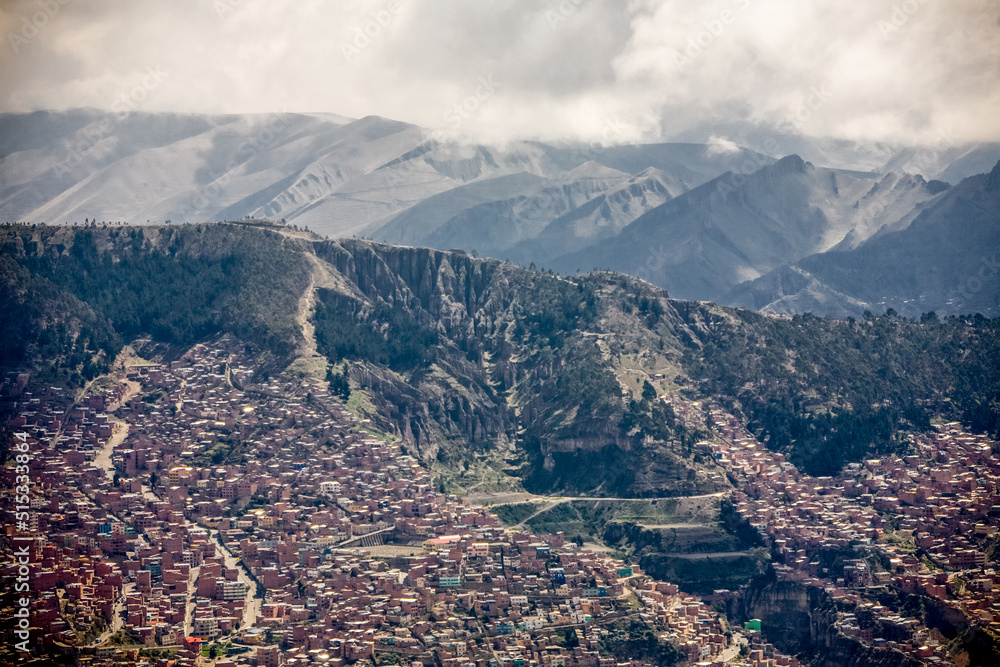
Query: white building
[329,488]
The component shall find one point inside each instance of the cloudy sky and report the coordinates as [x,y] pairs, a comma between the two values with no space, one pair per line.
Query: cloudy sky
[585,69]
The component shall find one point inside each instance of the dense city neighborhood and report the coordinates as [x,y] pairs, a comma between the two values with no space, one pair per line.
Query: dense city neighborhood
[915,524]
[198,512]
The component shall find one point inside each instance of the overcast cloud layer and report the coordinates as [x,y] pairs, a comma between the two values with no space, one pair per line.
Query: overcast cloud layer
[577,69]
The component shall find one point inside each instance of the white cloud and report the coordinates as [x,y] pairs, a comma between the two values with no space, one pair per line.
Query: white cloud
[721,146]
[889,69]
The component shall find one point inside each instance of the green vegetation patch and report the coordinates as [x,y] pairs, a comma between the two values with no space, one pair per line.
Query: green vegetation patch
[516,513]
[387,335]
[832,391]
[562,517]
[554,310]
[177,284]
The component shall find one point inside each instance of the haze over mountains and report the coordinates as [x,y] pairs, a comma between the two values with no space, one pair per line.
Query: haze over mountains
[707,220]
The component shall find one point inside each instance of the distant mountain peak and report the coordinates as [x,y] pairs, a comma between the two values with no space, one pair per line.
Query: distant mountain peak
[592,169]
[993,178]
[650,172]
[935,258]
[936,186]
[791,164]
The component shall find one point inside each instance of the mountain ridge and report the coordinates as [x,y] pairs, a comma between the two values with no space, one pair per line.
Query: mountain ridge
[336,174]
[943,260]
[738,227]
[564,383]
[642,209]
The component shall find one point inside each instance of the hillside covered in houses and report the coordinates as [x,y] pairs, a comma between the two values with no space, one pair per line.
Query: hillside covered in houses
[301,450]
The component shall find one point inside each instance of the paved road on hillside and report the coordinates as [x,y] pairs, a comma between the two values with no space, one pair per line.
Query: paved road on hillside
[549,502]
[524,497]
[714,554]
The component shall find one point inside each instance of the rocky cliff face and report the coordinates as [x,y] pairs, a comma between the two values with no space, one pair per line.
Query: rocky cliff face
[801,620]
[975,643]
[516,359]
[448,287]
[456,399]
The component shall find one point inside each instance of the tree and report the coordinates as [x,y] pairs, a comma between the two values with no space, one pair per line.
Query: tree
[648,392]
[340,386]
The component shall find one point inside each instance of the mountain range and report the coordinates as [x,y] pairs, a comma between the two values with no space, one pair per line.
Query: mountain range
[727,215]
[944,260]
[568,383]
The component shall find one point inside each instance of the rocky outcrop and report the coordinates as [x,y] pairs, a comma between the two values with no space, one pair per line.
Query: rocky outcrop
[511,367]
[801,620]
[981,647]
[448,287]
[427,414]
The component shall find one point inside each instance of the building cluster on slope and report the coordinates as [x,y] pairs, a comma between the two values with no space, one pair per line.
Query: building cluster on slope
[194,503]
[914,523]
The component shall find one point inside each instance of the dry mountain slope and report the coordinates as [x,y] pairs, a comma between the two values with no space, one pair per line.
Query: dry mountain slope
[945,260]
[337,175]
[736,228]
[461,357]
[602,217]
[465,357]
[599,192]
